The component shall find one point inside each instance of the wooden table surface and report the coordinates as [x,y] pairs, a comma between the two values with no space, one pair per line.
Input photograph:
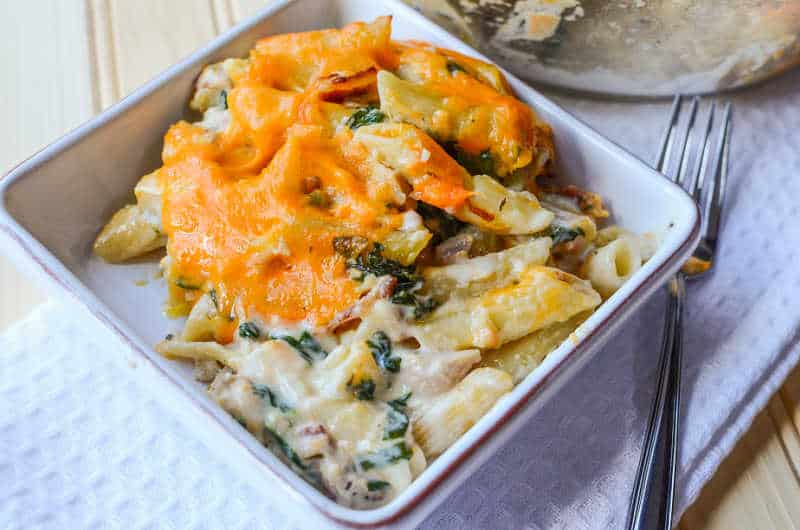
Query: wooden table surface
[65,60]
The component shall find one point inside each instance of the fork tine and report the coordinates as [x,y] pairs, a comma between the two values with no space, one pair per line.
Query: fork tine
[719,167]
[683,160]
[666,139]
[695,186]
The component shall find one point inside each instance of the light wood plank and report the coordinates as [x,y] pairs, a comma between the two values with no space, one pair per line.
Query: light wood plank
[102,56]
[242,9]
[790,395]
[754,489]
[47,91]
[148,36]
[790,438]
[50,91]
[223,14]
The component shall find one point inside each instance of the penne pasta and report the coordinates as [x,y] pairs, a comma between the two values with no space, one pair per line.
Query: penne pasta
[478,275]
[610,266]
[522,356]
[130,233]
[452,414]
[204,321]
[542,296]
[135,229]
[197,351]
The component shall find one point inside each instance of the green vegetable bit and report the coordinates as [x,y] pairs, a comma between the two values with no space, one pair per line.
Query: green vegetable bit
[454,67]
[319,199]
[384,457]
[223,98]
[381,348]
[185,284]
[475,163]
[249,330]
[422,305]
[377,485]
[365,116]
[264,392]
[306,345]
[401,402]
[310,474]
[562,234]
[213,295]
[442,224]
[375,263]
[285,448]
[364,390]
[396,424]
[408,280]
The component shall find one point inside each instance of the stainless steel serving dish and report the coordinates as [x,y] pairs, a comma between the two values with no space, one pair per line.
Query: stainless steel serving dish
[641,48]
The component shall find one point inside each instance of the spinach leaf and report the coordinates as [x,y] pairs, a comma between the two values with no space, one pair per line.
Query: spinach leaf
[401,402]
[475,163]
[186,284]
[264,392]
[223,98]
[396,424]
[213,295]
[306,345]
[562,234]
[377,485]
[249,330]
[383,457]
[310,474]
[374,262]
[396,418]
[454,67]
[240,420]
[381,348]
[442,224]
[365,116]
[285,448]
[422,305]
[408,280]
[364,390]
[319,199]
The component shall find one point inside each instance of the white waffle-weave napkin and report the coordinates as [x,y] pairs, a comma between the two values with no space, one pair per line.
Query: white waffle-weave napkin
[83,446]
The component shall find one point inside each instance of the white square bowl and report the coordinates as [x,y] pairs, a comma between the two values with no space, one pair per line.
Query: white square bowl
[54,204]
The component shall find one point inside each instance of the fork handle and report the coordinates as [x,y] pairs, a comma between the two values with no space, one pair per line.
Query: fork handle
[662,430]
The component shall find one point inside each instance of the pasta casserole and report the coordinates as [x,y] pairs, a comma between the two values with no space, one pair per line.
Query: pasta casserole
[370,249]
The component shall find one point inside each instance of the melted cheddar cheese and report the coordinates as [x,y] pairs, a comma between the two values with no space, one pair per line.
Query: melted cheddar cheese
[238,207]
[259,238]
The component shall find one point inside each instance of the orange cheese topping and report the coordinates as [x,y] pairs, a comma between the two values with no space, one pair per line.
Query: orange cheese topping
[260,239]
[297,61]
[496,120]
[237,206]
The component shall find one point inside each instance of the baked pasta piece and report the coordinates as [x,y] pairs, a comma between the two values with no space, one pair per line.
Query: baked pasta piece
[365,259]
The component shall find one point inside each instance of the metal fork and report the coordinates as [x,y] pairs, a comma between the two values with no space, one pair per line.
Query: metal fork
[706,183]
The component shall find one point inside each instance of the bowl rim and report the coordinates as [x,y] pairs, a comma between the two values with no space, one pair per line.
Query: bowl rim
[593,331]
